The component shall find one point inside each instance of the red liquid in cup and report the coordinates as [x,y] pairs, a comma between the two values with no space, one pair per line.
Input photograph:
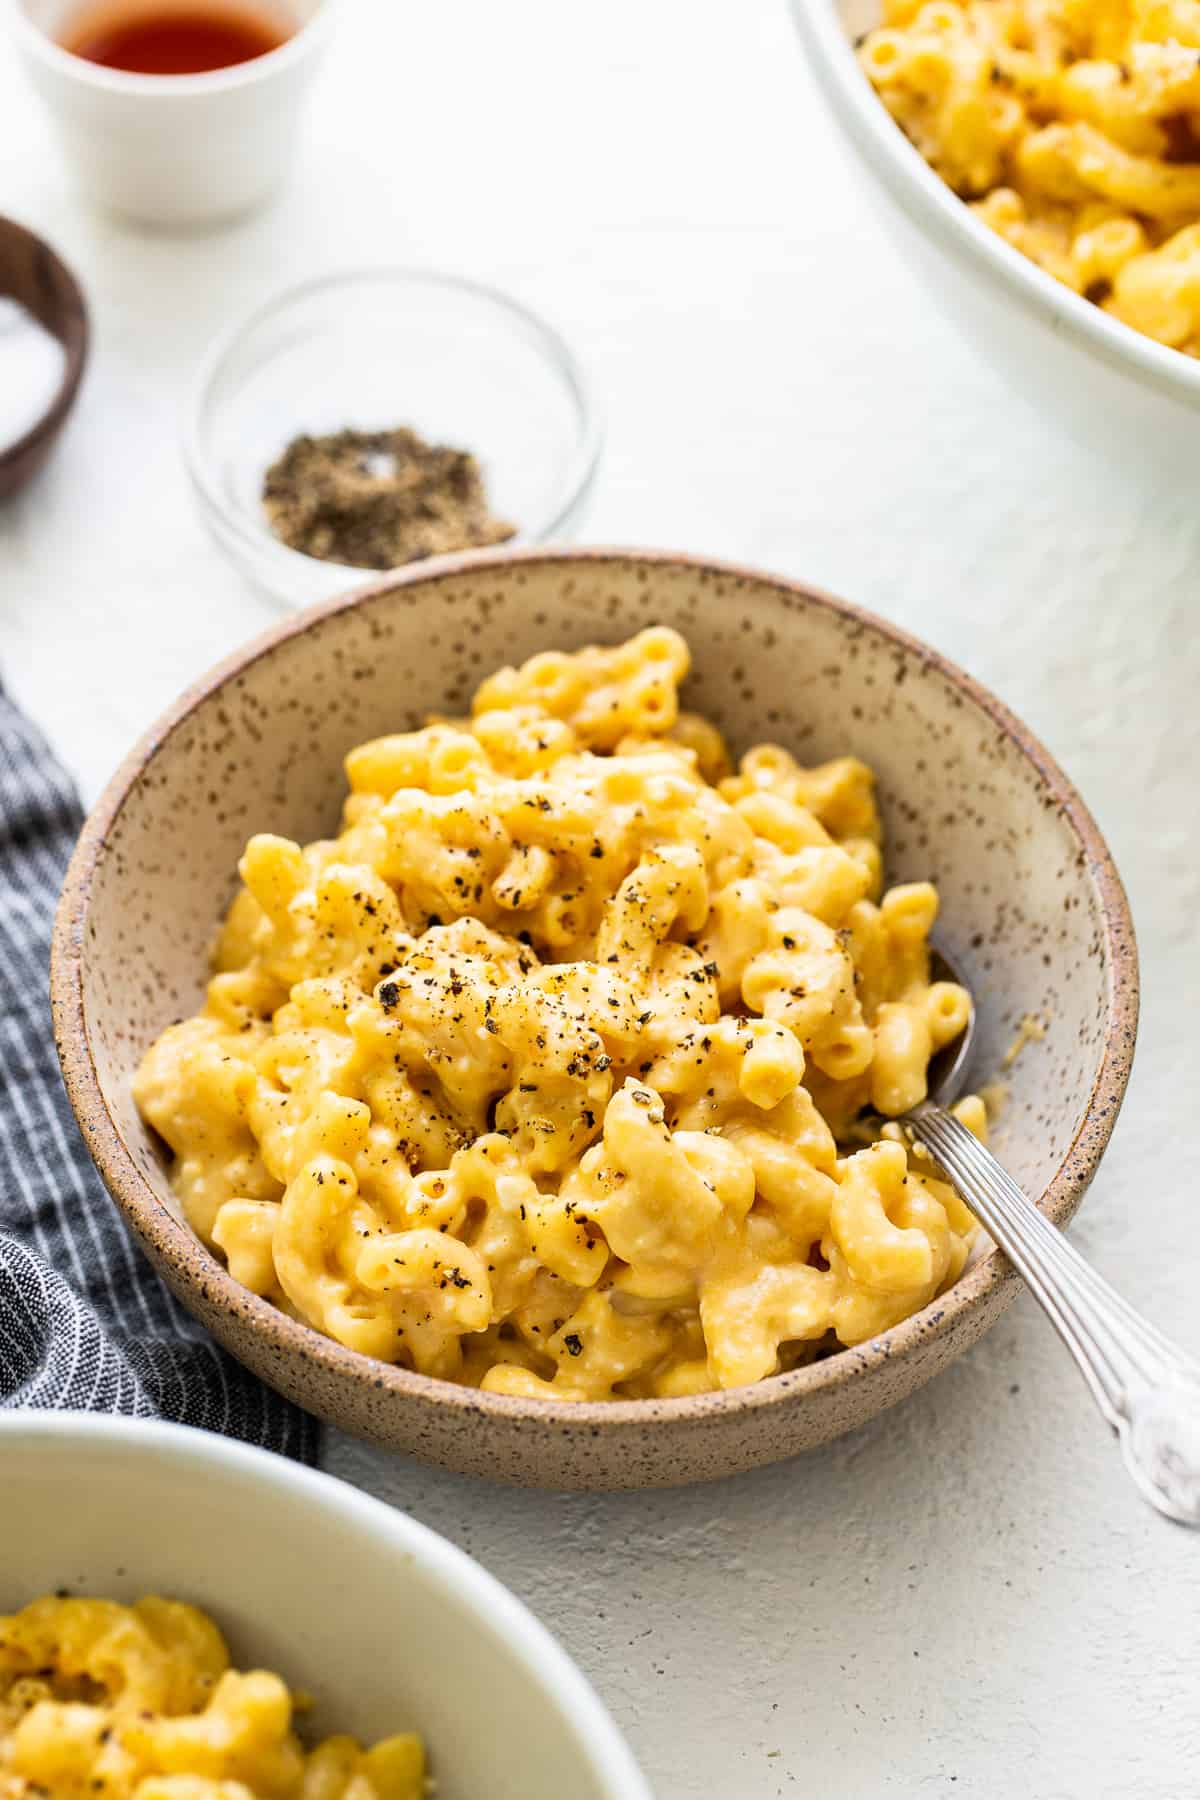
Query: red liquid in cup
[149,39]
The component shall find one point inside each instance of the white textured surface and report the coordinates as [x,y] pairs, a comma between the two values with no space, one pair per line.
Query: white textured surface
[965,1598]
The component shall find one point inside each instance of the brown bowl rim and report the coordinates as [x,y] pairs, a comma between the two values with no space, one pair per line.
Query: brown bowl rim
[175,1245]
[76,342]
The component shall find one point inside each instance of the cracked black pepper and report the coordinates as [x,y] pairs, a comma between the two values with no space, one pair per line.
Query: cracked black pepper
[378,499]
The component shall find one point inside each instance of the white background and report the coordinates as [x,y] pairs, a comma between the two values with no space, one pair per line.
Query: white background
[966,1598]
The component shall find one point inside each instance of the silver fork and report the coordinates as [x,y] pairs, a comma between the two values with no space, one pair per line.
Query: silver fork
[1146,1388]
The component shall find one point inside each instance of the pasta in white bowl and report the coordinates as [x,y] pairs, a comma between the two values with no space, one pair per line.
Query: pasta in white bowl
[1008,269]
[376,1625]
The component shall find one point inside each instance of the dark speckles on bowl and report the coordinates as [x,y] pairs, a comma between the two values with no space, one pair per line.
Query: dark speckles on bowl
[1031,906]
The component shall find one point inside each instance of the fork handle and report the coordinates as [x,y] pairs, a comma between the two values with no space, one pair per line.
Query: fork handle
[1147,1390]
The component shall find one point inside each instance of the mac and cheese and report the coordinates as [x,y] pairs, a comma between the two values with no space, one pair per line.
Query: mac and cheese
[1073,128]
[534,1077]
[140,1703]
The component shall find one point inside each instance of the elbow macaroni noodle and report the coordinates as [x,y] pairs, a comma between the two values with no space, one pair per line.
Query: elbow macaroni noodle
[107,1702]
[1072,127]
[534,1077]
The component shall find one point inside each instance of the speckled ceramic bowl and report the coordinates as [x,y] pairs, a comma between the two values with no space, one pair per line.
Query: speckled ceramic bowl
[1031,905]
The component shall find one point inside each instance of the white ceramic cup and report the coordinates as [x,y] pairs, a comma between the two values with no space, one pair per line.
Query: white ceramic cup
[174,149]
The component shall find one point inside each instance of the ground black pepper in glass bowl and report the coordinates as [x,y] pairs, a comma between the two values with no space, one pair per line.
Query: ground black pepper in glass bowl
[457,363]
[379,499]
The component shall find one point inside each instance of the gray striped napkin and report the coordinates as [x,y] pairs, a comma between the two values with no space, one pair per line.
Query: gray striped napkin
[84,1320]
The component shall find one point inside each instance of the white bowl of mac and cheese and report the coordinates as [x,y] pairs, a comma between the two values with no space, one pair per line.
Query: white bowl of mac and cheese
[529,1109]
[1040,167]
[181,1614]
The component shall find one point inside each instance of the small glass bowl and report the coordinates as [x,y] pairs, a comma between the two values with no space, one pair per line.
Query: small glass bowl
[460,362]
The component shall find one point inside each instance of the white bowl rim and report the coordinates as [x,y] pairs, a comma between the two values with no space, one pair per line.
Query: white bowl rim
[532,1646]
[551,343]
[308,36]
[936,208]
